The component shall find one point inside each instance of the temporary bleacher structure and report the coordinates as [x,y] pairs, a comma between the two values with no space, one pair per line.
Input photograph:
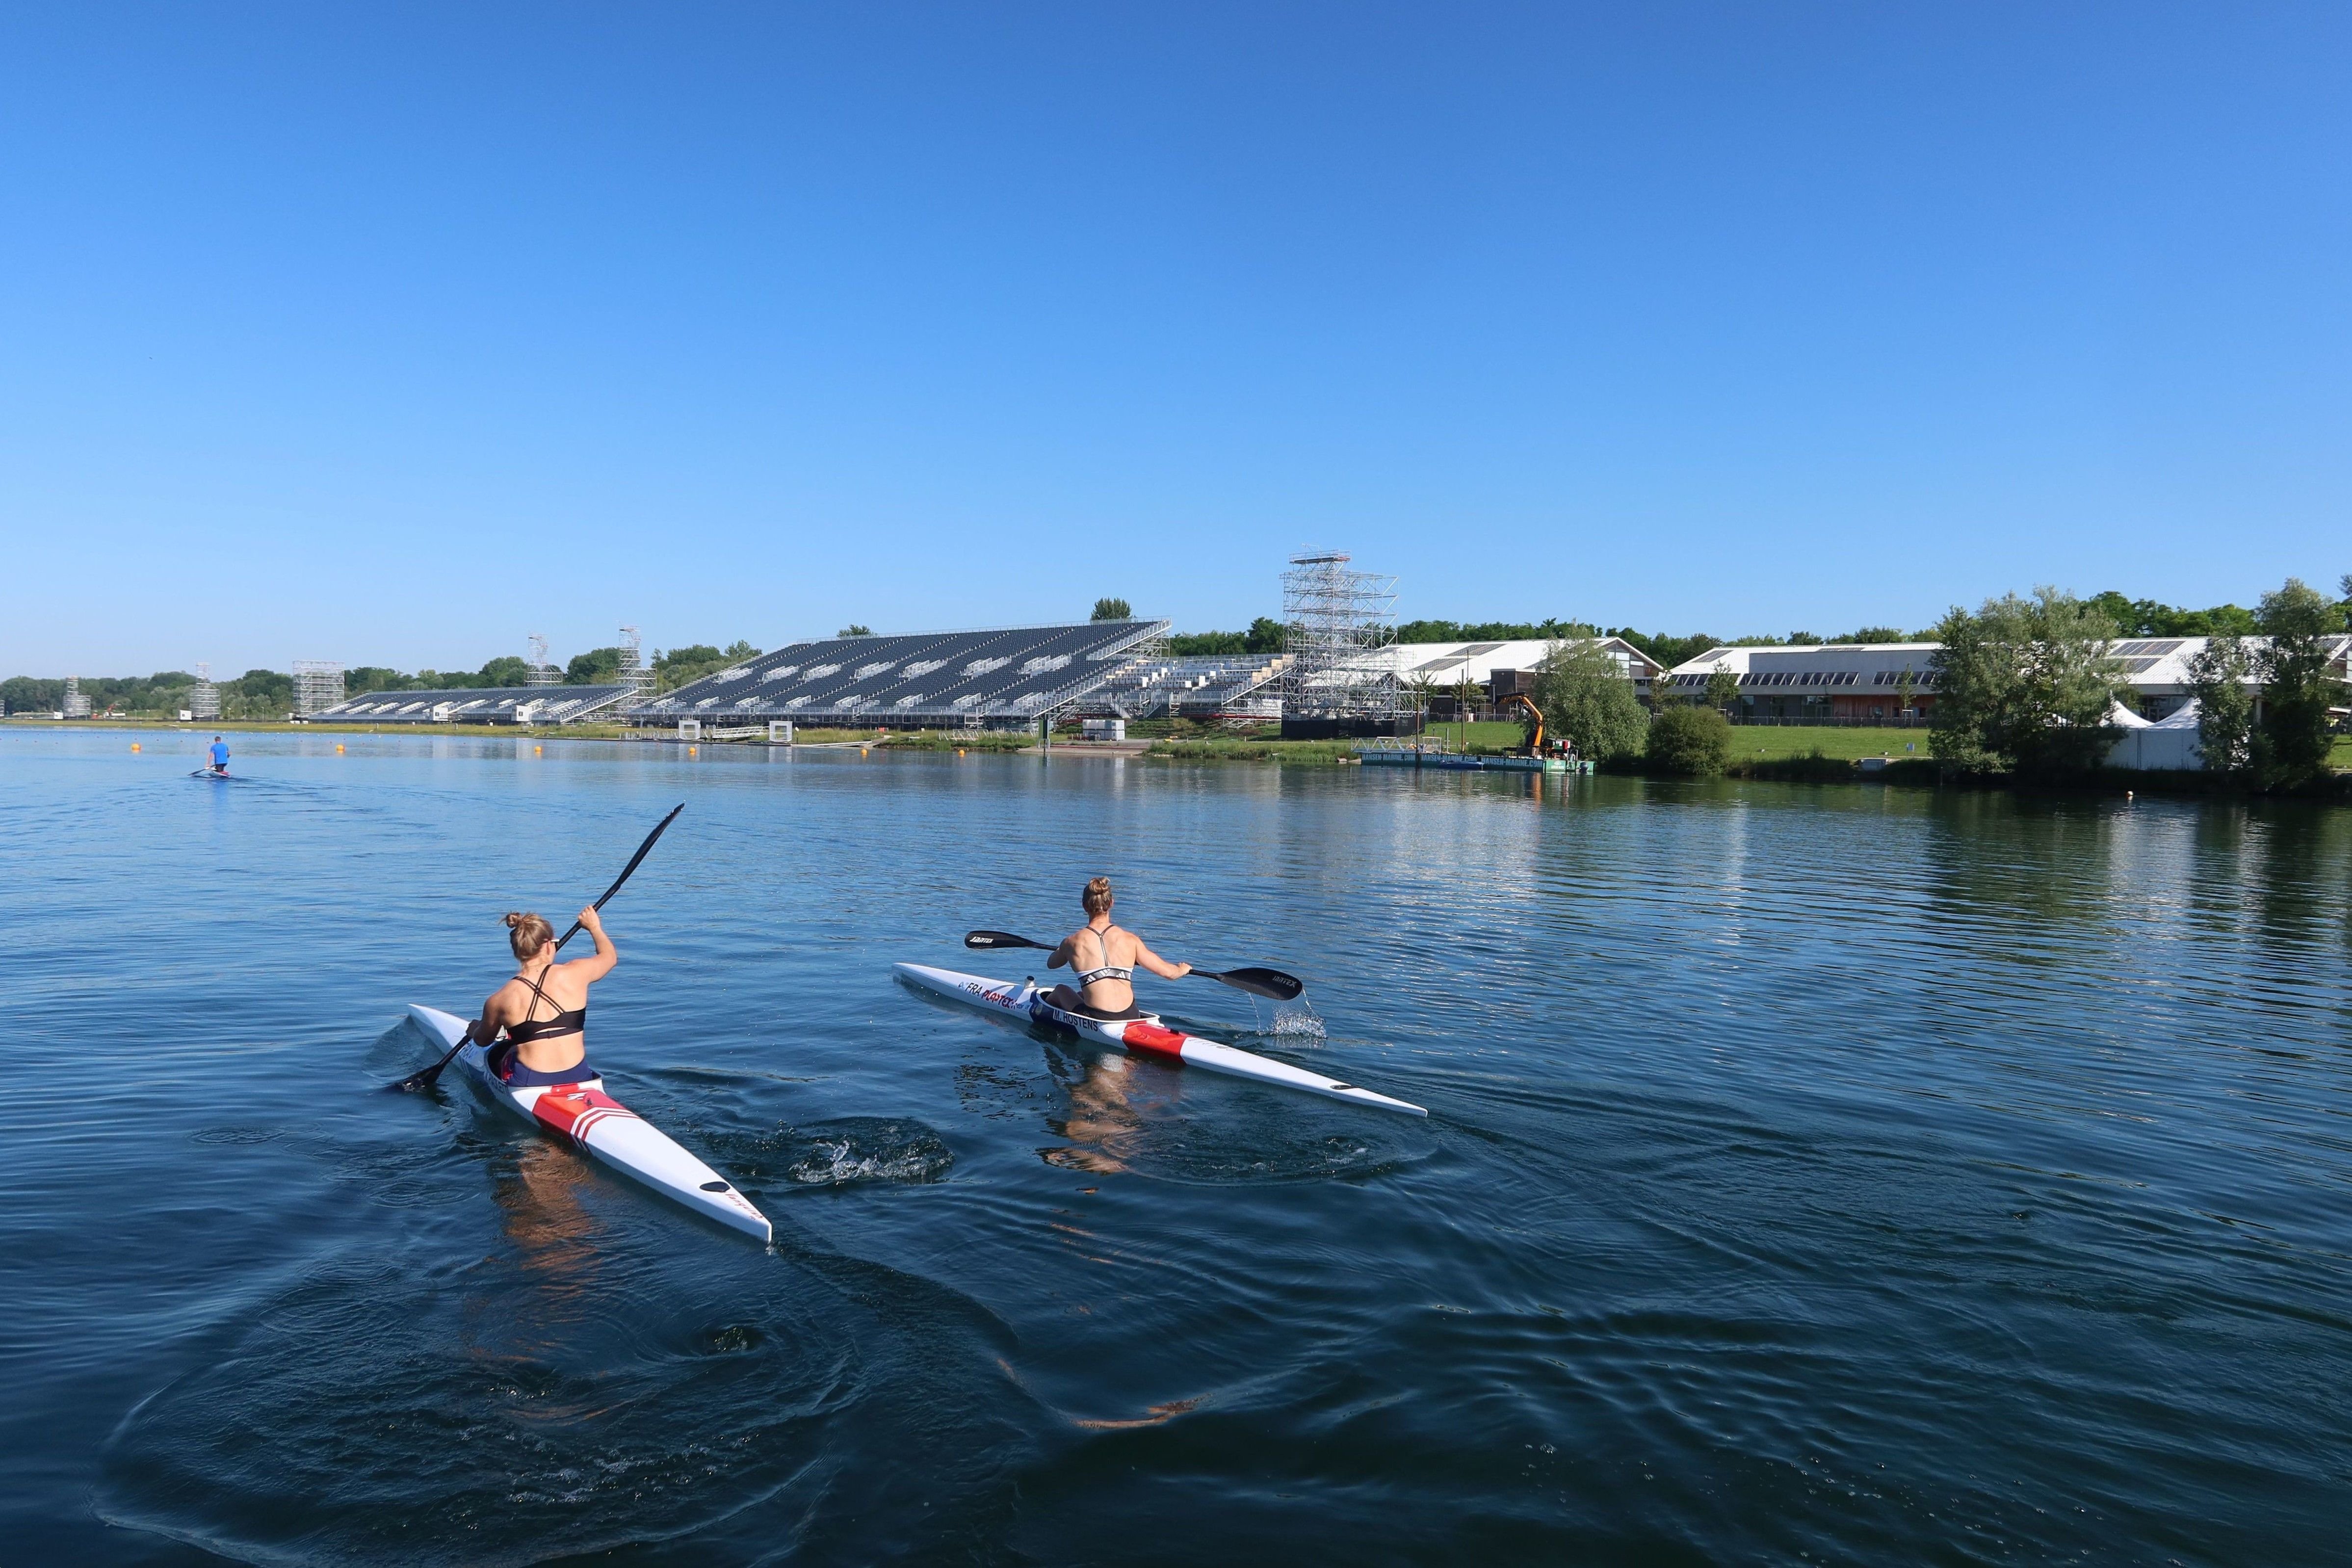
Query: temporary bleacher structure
[1423,670]
[481,705]
[1235,686]
[318,686]
[1006,677]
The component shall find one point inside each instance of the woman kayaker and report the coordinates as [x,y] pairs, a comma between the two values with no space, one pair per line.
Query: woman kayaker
[544,1008]
[1106,959]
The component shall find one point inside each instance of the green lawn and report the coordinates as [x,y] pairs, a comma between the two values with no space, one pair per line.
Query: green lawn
[1748,741]
[1770,740]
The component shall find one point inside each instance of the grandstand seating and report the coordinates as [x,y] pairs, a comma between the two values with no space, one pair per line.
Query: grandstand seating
[1205,686]
[479,705]
[995,679]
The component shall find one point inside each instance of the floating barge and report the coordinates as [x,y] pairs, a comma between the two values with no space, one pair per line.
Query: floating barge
[1426,757]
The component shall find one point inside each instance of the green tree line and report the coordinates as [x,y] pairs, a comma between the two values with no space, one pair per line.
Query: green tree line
[269,693]
[255,694]
[2027,686]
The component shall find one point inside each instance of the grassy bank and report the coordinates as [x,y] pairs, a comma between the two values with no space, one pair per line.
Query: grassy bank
[1244,749]
[1769,742]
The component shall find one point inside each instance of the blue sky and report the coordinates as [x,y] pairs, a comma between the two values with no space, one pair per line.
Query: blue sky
[392,334]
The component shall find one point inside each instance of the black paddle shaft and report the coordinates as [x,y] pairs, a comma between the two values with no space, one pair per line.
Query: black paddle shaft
[420,1081]
[1272,983]
[634,861]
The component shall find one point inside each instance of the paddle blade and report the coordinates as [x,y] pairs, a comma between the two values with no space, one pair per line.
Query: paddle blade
[1271,984]
[418,1083]
[986,940]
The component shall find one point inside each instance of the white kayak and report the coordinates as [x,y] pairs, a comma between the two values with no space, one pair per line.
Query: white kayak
[593,1121]
[1142,1036]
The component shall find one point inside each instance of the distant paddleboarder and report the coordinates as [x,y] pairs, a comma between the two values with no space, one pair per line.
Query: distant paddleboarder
[218,753]
[1106,959]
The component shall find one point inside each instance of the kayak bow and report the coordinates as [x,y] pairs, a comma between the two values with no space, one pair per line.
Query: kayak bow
[1143,1037]
[596,1124]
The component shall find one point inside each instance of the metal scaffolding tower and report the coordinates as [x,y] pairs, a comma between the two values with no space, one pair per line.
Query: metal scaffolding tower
[204,697]
[76,705]
[318,683]
[633,673]
[541,672]
[1339,623]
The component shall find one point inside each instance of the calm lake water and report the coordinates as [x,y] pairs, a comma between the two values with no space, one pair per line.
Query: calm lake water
[1820,1174]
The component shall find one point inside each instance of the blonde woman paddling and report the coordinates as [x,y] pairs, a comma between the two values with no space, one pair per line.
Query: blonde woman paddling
[1106,959]
[544,1008]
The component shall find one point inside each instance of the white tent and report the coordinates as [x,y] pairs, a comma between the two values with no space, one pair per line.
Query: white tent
[2171,742]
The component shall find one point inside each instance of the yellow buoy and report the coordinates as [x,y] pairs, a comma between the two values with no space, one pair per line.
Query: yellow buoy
[694,751]
[134,745]
[339,748]
[539,750]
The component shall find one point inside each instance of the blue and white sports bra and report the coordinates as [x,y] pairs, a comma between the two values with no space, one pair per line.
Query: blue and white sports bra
[1107,970]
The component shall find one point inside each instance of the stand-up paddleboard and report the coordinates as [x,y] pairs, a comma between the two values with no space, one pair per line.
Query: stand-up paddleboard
[1142,1036]
[593,1121]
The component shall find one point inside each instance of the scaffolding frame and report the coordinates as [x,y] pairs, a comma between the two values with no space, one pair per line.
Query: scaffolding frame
[632,676]
[1340,624]
[76,706]
[541,672]
[318,684]
[204,697]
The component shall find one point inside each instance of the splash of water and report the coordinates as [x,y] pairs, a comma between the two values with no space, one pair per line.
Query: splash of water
[860,1150]
[1294,1019]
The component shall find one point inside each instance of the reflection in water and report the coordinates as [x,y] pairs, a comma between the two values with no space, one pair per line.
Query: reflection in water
[552,1236]
[1100,1119]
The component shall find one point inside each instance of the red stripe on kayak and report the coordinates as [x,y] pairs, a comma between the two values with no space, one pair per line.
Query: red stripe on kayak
[562,1108]
[1153,1041]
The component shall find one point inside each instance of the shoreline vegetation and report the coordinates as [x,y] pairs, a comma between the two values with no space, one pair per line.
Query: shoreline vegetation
[1783,754]
[2027,694]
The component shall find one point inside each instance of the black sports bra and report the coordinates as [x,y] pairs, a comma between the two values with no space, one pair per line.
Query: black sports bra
[575,1022]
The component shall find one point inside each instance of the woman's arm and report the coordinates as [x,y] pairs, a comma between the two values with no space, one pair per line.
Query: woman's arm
[1061,955]
[1158,966]
[484,1030]
[596,968]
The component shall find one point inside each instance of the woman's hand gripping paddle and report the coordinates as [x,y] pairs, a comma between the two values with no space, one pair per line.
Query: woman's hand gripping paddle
[1272,983]
[417,1082]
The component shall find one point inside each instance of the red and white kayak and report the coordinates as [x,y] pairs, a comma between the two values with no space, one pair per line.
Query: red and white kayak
[593,1121]
[1143,1037]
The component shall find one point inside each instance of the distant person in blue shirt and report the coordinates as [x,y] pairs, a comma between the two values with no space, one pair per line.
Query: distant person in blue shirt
[218,753]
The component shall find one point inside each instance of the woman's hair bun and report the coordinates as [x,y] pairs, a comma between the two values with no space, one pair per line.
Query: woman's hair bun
[526,933]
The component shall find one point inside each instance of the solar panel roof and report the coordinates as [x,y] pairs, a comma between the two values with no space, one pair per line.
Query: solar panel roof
[1006,673]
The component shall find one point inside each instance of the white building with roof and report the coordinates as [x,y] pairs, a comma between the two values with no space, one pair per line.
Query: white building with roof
[1818,680]
[1866,681]
[1446,664]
